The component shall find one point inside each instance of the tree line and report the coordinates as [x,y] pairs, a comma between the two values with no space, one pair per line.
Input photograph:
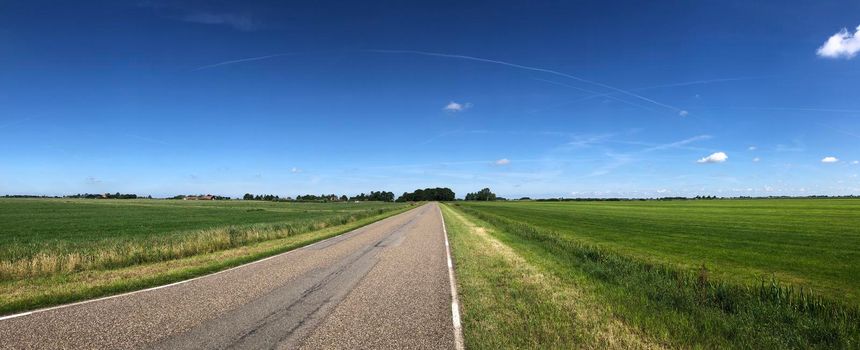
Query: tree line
[428,194]
[105,196]
[378,196]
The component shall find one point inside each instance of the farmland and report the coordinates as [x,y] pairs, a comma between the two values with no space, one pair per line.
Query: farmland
[61,250]
[714,273]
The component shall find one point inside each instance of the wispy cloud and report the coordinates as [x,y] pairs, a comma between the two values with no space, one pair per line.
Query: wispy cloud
[241,22]
[840,130]
[456,107]
[716,157]
[296,170]
[841,45]
[503,161]
[797,145]
[677,143]
[756,160]
[620,159]
[829,159]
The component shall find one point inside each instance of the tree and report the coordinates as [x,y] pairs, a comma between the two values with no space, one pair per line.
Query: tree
[482,195]
[427,194]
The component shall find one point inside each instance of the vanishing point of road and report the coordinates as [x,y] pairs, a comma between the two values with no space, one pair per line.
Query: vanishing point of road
[385,285]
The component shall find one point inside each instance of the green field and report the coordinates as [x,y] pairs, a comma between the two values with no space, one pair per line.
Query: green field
[710,273]
[60,250]
[31,226]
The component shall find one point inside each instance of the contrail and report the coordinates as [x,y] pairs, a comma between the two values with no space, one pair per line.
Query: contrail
[464,57]
[686,83]
[593,95]
[530,68]
[699,82]
[676,144]
[245,60]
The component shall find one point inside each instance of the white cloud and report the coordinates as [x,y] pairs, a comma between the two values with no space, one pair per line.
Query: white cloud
[295,170]
[683,113]
[829,160]
[841,45]
[717,157]
[756,160]
[752,148]
[856,162]
[457,107]
[503,161]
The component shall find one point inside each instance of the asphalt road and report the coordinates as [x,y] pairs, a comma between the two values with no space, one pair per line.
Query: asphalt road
[385,285]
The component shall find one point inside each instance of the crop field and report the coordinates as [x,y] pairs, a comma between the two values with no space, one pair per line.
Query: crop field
[710,273]
[60,250]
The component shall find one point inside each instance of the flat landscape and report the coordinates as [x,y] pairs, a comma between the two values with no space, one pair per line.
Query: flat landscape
[61,250]
[772,273]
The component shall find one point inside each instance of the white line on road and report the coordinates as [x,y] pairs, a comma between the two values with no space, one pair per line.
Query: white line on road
[455,303]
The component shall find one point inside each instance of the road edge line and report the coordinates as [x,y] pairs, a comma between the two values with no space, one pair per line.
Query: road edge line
[82,302]
[455,302]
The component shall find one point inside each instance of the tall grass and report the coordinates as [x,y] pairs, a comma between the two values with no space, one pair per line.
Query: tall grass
[33,260]
[689,308]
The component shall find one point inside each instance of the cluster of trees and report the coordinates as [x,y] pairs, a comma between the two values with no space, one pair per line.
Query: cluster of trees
[482,195]
[380,196]
[321,198]
[428,194]
[706,197]
[261,197]
[105,196]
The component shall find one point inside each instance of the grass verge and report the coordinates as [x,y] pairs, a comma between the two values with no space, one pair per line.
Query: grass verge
[122,253]
[678,308]
[38,292]
[510,303]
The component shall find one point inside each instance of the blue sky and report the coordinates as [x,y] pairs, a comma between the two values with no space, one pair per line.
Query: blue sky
[573,99]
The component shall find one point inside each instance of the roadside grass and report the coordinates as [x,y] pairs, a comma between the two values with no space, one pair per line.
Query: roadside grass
[44,237]
[676,306]
[232,246]
[162,248]
[509,303]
